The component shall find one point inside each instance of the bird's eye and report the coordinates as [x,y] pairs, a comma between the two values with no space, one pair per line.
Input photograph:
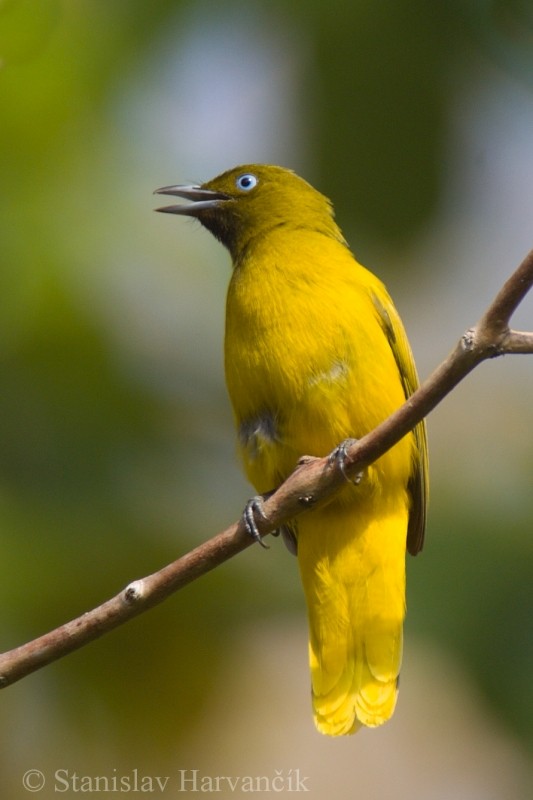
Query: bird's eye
[246,182]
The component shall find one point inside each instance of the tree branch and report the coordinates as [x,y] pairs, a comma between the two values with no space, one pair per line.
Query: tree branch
[314,480]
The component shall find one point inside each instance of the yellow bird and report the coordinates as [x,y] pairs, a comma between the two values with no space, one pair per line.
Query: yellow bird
[315,352]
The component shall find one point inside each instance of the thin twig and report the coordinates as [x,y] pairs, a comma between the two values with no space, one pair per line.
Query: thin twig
[314,480]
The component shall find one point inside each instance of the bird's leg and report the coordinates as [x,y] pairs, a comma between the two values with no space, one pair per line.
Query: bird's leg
[254,506]
[338,456]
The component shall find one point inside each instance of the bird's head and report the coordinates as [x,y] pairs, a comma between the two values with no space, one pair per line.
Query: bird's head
[251,200]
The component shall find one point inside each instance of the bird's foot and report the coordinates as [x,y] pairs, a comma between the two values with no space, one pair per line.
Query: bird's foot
[254,506]
[338,456]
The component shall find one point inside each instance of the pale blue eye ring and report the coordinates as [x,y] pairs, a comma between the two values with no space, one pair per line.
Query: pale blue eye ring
[246,182]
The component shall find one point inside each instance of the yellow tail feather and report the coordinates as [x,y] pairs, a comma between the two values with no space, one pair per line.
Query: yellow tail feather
[352,564]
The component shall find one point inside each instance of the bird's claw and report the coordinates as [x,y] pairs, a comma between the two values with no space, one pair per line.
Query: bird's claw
[338,456]
[254,506]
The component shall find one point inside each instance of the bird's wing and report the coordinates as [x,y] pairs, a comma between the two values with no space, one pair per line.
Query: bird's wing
[418,482]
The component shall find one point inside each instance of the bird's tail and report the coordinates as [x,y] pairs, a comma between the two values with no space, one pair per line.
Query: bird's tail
[353,572]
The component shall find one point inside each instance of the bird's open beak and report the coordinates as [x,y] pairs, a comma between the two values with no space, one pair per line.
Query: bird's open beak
[202,199]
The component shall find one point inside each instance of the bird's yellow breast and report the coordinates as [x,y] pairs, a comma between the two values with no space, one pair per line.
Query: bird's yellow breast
[307,361]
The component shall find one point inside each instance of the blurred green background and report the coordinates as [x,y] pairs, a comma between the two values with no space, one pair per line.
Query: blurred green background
[116,441]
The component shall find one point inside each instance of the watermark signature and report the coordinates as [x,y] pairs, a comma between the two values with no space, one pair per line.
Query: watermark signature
[184,781]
